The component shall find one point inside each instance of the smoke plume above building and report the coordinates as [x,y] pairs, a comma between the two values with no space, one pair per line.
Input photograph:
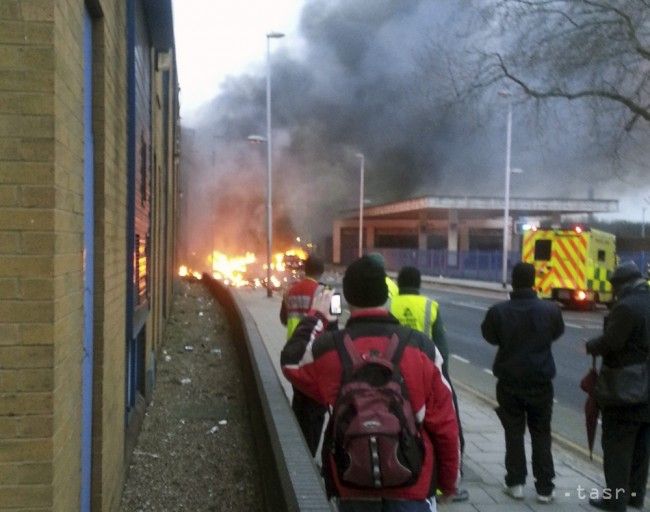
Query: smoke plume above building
[373,78]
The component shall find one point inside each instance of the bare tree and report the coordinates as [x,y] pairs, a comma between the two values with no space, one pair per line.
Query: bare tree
[597,50]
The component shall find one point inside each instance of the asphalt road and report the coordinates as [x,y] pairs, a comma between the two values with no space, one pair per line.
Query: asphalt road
[463,311]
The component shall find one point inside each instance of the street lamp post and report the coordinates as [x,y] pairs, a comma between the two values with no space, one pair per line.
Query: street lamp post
[361,191]
[646,200]
[506,208]
[269,165]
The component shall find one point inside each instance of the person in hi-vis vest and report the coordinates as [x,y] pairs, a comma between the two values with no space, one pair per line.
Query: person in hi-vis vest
[422,314]
[295,304]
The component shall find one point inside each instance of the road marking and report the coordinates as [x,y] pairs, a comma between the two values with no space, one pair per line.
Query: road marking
[575,326]
[461,359]
[488,371]
[469,305]
[594,327]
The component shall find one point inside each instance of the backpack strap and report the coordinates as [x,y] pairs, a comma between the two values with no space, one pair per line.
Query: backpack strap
[351,359]
[344,355]
[403,340]
[356,361]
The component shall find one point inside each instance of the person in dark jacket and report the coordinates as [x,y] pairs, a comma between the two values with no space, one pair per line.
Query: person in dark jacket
[311,362]
[524,328]
[626,430]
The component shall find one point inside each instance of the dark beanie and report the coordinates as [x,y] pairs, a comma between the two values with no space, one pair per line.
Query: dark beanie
[409,277]
[625,272]
[314,266]
[523,275]
[378,258]
[364,283]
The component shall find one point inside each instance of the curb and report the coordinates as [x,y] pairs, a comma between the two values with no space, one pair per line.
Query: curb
[291,479]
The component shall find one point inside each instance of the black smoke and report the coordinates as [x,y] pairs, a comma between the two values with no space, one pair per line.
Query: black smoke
[375,77]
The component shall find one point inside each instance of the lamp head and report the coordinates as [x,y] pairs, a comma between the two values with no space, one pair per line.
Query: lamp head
[275,35]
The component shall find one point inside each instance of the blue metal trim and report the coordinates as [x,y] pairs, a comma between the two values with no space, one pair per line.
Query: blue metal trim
[160,23]
[88,271]
[130,202]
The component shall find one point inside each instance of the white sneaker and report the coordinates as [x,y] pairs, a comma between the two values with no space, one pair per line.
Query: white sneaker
[515,491]
[545,498]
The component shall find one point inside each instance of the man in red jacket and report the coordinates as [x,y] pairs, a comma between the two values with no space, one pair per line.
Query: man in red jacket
[311,361]
[295,304]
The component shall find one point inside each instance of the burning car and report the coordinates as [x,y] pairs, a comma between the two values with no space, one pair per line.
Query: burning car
[248,270]
[293,262]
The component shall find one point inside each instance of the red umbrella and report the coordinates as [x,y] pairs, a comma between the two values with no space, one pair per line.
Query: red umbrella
[588,385]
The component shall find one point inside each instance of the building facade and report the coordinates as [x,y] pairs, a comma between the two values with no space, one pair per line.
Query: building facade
[449,222]
[88,207]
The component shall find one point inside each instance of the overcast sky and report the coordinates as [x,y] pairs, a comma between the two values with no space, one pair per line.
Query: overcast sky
[216,38]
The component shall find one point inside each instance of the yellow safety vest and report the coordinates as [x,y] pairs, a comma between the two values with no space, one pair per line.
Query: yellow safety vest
[293,319]
[393,289]
[416,311]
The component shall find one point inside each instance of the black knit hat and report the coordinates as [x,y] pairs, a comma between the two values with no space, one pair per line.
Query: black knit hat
[378,258]
[523,275]
[625,272]
[364,283]
[314,266]
[409,277]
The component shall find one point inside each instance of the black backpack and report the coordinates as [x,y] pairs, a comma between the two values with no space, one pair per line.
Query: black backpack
[375,441]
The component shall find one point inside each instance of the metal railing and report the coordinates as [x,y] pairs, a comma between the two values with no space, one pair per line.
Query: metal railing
[473,264]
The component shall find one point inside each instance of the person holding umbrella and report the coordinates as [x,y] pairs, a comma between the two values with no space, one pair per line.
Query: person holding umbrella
[592,411]
[625,343]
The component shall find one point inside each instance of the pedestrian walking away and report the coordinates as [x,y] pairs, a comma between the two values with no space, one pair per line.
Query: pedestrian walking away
[624,346]
[423,314]
[296,302]
[523,328]
[392,438]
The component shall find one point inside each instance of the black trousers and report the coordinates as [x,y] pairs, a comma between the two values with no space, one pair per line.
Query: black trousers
[310,415]
[445,374]
[532,405]
[626,446]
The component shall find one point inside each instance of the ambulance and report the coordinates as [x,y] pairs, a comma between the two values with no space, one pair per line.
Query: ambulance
[572,264]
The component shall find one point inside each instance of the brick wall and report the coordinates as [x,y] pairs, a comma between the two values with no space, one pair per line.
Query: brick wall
[110,284]
[68,252]
[110,250]
[27,248]
[41,251]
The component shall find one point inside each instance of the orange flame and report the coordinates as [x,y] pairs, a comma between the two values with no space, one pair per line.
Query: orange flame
[231,269]
[297,251]
[234,270]
[185,271]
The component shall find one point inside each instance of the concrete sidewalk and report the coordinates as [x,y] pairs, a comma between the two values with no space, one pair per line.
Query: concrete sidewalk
[576,477]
